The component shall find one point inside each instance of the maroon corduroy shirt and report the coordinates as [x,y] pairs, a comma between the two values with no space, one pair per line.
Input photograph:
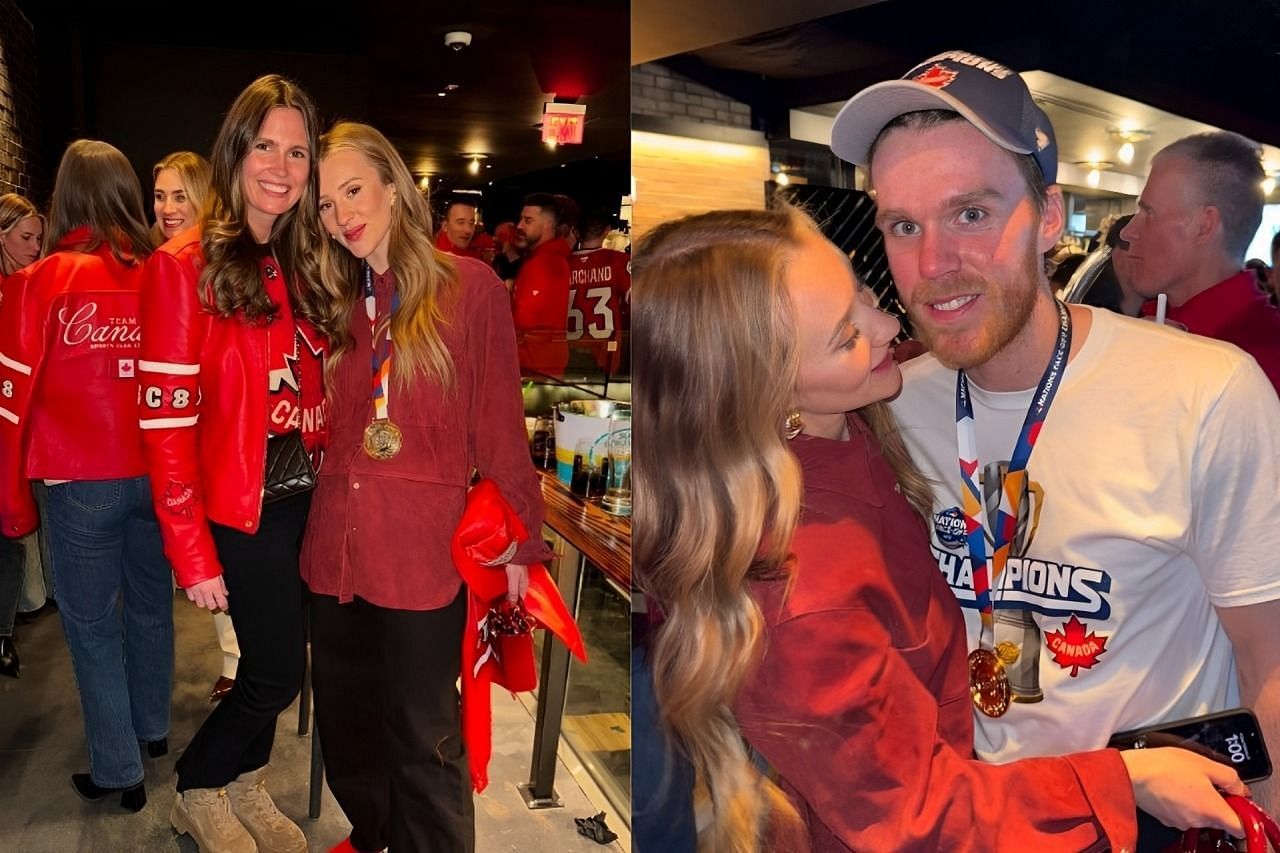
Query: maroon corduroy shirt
[380,529]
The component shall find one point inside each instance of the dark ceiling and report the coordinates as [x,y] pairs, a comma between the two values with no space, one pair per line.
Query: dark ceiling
[1216,61]
[151,80]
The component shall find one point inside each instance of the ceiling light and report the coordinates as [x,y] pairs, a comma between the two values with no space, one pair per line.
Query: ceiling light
[1269,185]
[1130,134]
[1102,165]
[1126,153]
[441,94]
[474,167]
[475,157]
[425,182]
[782,179]
[1093,178]
[451,87]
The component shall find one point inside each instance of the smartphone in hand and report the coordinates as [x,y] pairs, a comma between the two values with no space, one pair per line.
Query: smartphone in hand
[1230,737]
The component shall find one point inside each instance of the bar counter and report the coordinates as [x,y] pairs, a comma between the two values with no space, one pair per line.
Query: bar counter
[604,539]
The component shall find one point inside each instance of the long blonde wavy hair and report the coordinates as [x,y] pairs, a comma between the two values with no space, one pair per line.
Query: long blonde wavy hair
[717,490]
[426,278]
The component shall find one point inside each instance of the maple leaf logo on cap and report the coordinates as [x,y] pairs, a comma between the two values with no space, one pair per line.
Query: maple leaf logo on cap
[937,76]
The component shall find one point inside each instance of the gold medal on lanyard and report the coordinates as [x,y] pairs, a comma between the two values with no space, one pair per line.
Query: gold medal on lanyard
[382,438]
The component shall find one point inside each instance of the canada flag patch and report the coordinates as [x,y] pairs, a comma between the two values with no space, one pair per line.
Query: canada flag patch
[124,368]
[937,76]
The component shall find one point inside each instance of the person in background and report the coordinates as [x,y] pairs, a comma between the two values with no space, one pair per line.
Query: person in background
[21,233]
[383,585]
[599,295]
[21,244]
[540,295]
[459,227]
[1273,277]
[1198,212]
[1113,287]
[69,335]
[232,355]
[801,623]
[508,257]
[1148,502]
[181,187]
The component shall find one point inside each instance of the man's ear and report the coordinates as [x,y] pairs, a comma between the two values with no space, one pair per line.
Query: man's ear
[1053,221]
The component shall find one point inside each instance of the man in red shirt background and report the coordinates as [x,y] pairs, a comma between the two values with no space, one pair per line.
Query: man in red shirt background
[540,295]
[1200,208]
[460,234]
[599,295]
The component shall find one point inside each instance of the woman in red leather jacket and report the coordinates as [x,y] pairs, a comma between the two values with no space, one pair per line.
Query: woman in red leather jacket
[230,357]
[68,416]
[444,399]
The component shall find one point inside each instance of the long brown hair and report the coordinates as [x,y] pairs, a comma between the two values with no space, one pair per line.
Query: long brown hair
[717,490]
[96,186]
[230,281]
[426,278]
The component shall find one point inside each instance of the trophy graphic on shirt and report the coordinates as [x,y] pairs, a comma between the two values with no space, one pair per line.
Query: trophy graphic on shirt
[1017,637]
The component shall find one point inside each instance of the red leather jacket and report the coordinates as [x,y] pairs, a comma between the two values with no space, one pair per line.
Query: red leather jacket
[203,409]
[68,391]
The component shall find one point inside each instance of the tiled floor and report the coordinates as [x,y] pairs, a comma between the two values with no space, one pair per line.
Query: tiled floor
[42,744]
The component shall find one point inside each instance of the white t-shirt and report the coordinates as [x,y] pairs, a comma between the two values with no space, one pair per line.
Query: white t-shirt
[1157,475]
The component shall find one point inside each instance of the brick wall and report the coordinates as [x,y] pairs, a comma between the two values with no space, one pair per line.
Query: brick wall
[659,92]
[20,123]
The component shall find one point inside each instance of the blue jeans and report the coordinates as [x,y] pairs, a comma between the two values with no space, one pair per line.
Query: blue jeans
[115,599]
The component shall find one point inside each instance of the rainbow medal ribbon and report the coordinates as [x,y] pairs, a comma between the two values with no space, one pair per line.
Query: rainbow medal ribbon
[988,680]
[382,438]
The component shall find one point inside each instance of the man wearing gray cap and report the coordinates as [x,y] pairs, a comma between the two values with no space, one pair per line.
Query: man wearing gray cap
[1122,575]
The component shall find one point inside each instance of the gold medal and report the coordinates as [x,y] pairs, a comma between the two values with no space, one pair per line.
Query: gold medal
[382,440]
[1008,652]
[988,683]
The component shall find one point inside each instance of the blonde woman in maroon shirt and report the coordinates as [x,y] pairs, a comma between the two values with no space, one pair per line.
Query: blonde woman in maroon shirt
[424,387]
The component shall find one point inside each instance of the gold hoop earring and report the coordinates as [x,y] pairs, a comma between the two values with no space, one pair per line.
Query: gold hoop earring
[792,425]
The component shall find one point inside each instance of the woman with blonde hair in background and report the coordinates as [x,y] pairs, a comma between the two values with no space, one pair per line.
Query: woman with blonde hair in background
[21,243]
[180,188]
[424,388]
[800,617]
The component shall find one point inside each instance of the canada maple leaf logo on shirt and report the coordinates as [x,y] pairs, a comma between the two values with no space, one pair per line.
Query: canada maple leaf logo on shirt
[1073,647]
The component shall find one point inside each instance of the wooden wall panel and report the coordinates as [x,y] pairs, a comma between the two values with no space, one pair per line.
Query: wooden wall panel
[677,176]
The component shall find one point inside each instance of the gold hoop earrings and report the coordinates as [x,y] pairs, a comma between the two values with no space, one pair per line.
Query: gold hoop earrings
[792,425]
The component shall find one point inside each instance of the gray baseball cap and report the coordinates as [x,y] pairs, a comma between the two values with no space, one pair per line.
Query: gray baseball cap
[993,98]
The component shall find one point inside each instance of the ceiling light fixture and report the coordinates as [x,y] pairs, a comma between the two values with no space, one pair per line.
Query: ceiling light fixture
[1126,153]
[1096,165]
[474,157]
[1268,185]
[1127,134]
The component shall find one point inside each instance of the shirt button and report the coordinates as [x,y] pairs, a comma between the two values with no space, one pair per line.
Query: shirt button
[355,485]
[248,524]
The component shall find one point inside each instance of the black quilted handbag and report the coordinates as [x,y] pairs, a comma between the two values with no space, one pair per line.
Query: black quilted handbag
[289,470]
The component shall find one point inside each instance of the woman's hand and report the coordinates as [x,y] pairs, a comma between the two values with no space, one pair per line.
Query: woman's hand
[517,581]
[210,594]
[1182,789]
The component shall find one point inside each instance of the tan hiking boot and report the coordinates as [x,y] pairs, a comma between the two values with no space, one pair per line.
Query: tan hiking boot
[251,803]
[205,814]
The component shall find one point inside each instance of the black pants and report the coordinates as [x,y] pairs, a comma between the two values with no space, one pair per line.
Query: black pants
[264,599]
[389,725]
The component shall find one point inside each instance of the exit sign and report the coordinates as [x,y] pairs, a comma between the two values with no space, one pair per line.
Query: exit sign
[563,123]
